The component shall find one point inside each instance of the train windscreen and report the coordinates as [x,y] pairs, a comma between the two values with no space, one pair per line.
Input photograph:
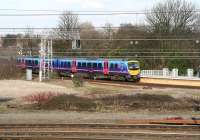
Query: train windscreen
[133,66]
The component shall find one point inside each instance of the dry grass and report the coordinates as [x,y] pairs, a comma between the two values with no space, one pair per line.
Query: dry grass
[9,70]
[78,80]
[138,101]
[70,103]
[103,98]
[195,102]
[40,98]
[122,103]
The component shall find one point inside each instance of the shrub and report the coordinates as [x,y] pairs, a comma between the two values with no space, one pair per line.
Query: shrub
[138,101]
[114,103]
[39,98]
[78,80]
[54,75]
[70,102]
[181,65]
[195,103]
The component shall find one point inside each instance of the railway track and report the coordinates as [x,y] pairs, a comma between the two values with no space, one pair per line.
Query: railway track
[99,132]
[126,84]
[131,84]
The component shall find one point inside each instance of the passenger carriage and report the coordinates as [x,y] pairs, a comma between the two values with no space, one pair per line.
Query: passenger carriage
[127,69]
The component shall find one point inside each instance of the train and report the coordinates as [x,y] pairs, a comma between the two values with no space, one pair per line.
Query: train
[128,70]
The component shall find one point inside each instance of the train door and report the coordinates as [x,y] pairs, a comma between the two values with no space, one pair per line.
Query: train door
[105,69]
[89,66]
[123,68]
[74,68]
[57,64]
[23,63]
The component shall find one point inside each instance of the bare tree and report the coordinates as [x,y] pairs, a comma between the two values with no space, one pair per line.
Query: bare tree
[68,26]
[196,27]
[28,41]
[88,31]
[172,17]
[108,30]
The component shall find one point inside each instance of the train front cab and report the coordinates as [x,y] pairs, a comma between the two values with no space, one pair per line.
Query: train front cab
[134,70]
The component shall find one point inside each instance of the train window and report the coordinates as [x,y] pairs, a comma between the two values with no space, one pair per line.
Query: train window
[26,62]
[89,65]
[111,66]
[62,64]
[56,63]
[79,64]
[65,64]
[29,62]
[133,66]
[36,62]
[99,66]
[68,64]
[116,66]
[95,65]
[84,65]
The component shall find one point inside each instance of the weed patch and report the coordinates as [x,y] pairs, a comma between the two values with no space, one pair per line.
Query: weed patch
[118,103]
[39,98]
[78,80]
[70,102]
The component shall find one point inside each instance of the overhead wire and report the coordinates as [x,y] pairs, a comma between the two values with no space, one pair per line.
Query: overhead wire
[94,12]
[80,28]
[135,57]
[114,39]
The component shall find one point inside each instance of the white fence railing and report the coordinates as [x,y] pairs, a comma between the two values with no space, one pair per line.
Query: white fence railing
[152,73]
[166,73]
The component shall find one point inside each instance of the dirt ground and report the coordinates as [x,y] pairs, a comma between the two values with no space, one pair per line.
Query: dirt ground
[17,89]
[45,117]
[109,89]
[20,88]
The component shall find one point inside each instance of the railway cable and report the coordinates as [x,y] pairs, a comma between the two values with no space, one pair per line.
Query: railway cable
[97,13]
[116,39]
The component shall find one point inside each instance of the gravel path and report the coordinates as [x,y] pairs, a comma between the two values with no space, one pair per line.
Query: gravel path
[83,117]
[19,88]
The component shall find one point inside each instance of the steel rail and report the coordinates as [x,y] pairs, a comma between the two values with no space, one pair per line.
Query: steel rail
[103,126]
[97,134]
[124,84]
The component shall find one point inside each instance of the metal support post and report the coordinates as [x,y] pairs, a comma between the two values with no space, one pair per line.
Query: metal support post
[46,55]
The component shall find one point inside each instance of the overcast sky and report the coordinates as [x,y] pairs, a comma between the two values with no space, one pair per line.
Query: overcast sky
[75,5]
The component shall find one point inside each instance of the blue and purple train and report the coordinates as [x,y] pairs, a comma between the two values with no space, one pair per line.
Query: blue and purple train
[127,69]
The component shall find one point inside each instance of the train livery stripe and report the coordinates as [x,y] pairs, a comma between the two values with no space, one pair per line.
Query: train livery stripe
[106,70]
[74,69]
